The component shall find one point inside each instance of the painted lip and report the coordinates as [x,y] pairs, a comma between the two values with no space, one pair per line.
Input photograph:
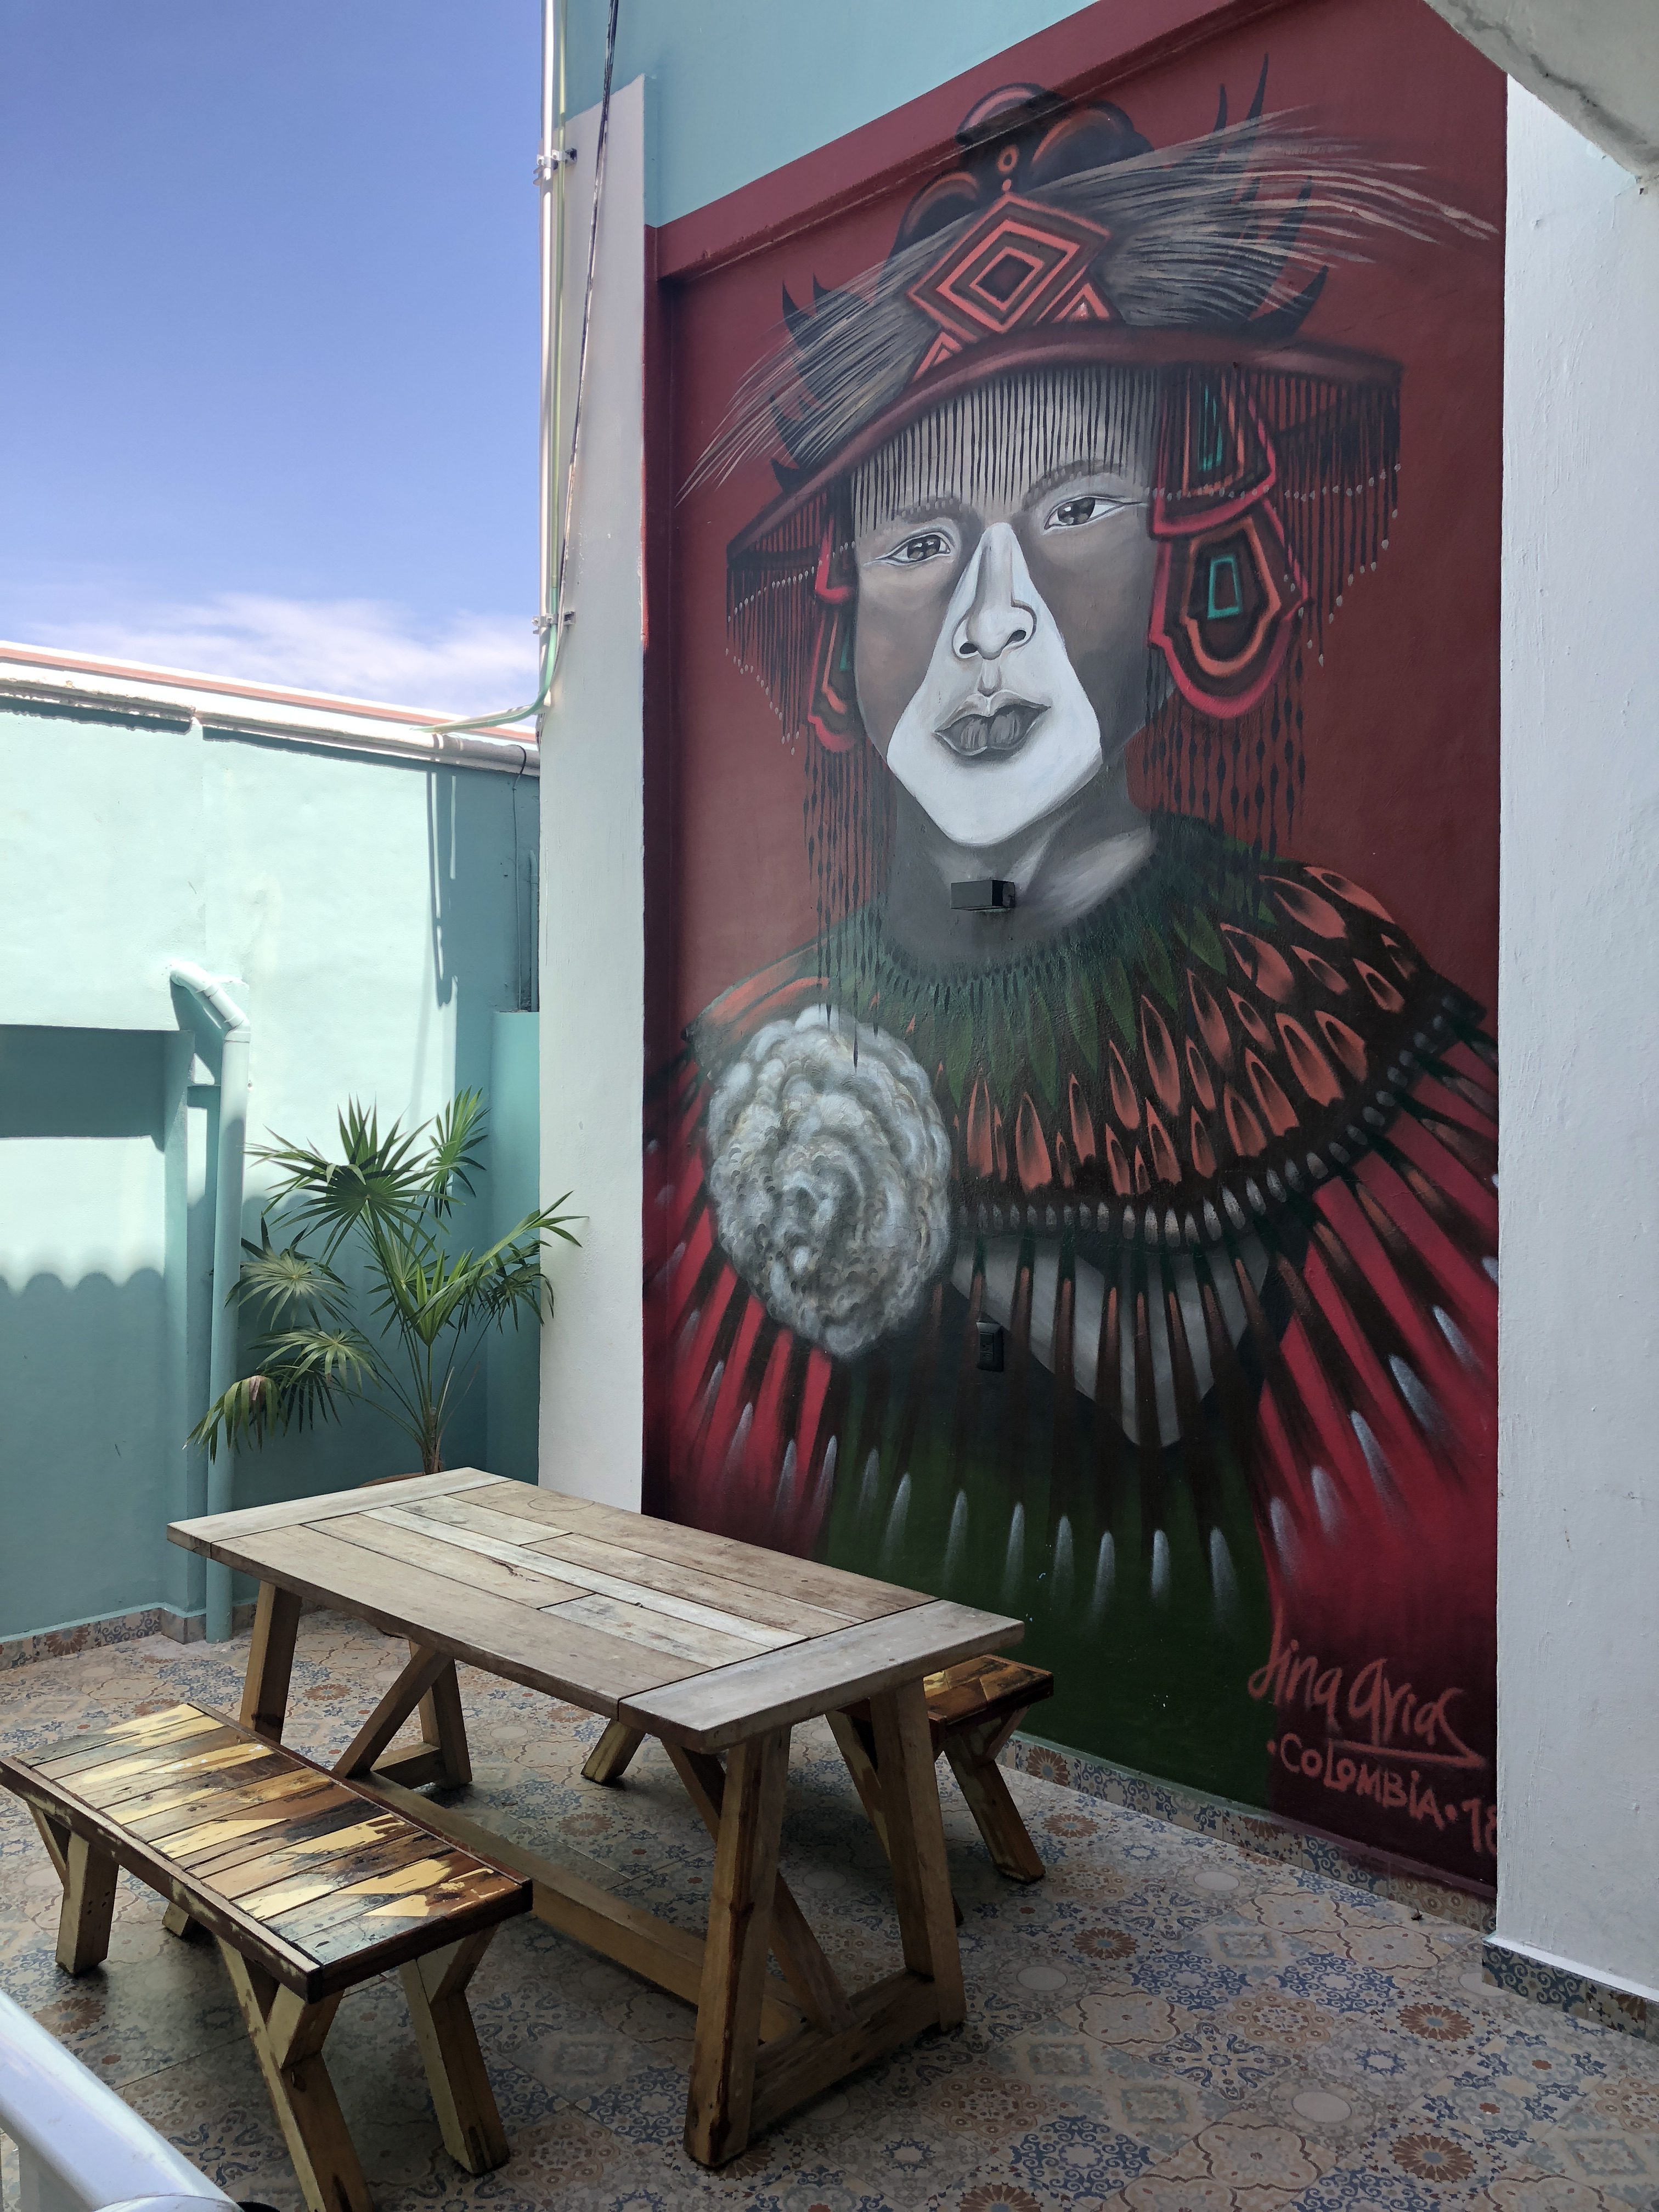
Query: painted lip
[992,733]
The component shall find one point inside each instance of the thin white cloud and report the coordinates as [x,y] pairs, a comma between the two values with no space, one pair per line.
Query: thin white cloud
[362,648]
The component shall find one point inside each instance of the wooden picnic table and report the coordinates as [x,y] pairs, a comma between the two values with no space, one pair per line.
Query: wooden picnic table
[716,1647]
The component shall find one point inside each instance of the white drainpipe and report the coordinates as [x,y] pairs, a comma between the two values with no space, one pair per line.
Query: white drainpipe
[210,993]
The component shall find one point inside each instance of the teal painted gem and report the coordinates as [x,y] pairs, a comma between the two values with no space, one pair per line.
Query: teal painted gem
[1226,586]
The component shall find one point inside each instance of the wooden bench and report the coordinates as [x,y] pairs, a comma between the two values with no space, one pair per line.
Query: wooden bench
[973,1708]
[310,1886]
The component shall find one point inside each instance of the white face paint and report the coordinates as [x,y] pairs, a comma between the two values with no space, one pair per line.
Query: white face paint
[1000,732]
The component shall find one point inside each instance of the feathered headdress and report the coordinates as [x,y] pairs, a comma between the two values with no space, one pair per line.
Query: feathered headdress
[1067,283]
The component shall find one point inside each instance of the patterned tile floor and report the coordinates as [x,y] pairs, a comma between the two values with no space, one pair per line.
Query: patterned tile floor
[1165,2023]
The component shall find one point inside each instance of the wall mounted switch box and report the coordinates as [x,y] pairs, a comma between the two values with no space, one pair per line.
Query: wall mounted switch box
[984,895]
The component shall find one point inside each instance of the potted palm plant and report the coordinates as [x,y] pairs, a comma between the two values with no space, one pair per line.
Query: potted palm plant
[390,1197]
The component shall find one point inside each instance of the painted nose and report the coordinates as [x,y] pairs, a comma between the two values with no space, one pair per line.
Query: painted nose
[1000,614]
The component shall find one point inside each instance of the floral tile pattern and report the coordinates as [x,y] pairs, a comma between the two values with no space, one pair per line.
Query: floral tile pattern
[1176,2020]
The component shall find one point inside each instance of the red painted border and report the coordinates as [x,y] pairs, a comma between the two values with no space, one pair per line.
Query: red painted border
[1124,37]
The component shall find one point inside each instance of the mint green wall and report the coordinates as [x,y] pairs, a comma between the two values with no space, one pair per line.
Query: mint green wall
[739,87]
[373,910]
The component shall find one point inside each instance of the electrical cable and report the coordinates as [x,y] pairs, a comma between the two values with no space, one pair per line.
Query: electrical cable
[559,618]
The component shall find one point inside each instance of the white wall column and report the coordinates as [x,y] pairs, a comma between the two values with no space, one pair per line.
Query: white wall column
[1578,1025]
[593,1014]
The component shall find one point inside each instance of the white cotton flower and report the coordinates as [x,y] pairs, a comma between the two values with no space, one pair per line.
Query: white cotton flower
[830,1173]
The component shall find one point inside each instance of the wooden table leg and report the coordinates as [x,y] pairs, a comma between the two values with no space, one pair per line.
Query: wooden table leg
[718,2108]
[915,1840]
[443,1728]
[271,1662]
[83,1925]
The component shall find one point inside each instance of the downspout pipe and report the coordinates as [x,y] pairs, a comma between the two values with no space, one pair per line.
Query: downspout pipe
[235,1032]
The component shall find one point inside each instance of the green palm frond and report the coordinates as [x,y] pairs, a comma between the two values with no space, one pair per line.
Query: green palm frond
[382,1178]
[283,1283]
[454,1156]
[304,1376]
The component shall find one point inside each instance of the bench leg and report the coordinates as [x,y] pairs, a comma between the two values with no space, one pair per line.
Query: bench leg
[611,1757]
[972,1753]
[722,2091]
[84,1924]
[288,2037]
[466,2104]
[177,1922]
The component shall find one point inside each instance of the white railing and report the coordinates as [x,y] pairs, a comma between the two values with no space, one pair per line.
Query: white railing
[80,2149]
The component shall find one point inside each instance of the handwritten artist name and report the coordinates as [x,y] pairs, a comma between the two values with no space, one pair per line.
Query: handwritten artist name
[1376,1728]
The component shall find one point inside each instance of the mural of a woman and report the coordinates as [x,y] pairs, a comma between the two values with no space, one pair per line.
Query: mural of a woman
[1124,1259]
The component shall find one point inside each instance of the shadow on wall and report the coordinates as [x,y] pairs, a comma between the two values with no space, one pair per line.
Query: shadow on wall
[88,1463]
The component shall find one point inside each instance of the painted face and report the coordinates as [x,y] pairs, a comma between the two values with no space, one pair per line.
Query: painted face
[1001,638]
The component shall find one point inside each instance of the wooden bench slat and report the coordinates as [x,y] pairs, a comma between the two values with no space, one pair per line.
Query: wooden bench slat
[285,1901]
[127,1772]
[405,1921]
[321,1858]
[342,1808]
[306,1923]
[159,1812]
[133,1736]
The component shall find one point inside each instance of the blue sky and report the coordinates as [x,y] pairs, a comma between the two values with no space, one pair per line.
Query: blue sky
[268,389]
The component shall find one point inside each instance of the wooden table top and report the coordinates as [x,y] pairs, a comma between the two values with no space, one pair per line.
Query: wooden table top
[679,1633]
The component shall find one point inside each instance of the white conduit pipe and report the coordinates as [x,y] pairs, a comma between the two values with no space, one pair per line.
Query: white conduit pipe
[235,1034]
[79,2147]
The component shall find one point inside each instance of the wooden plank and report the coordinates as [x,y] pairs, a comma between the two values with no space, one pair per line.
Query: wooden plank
[470,1513]
[456,1532]
[565,1659]
[168,1817]
[115,1763]
[713,1711]
[342,1808]
[404,1927]
[150,1728]
[110,1789]
[858,1597]
[424,1547]
[634,1937]
[806,2064]
[336,1889]
[765,1609]
[208,1531]
[727,2037]
[293,1856]
[659,1632]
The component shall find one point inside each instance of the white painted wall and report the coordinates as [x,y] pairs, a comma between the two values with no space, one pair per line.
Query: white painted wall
[1578,1520]
[593,856]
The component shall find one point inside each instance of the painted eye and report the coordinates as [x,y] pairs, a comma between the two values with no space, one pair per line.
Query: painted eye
[1072,513]
[926,545]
